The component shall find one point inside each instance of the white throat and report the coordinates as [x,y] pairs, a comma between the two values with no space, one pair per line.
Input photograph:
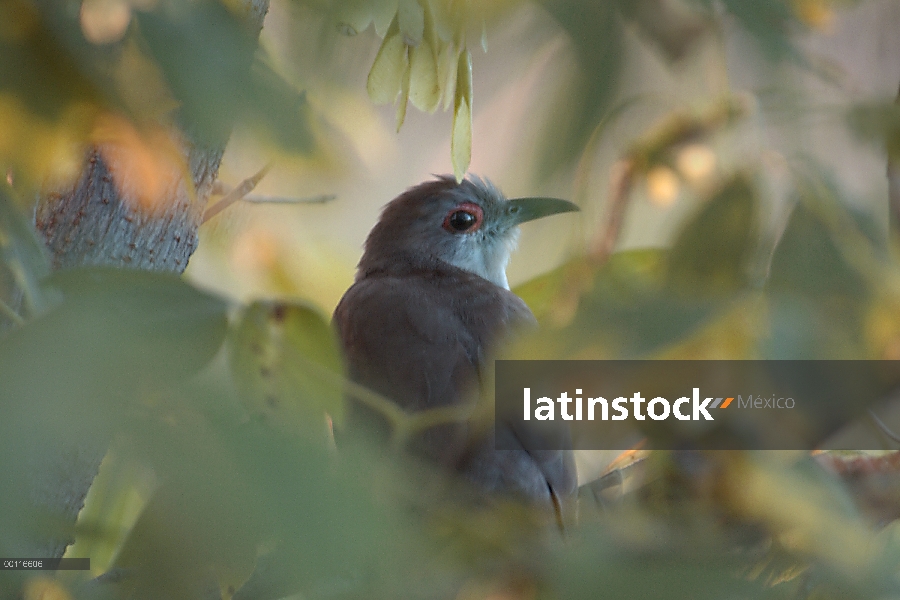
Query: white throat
[486,257]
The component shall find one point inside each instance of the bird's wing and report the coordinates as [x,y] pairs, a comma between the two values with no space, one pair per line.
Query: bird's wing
[406,338]
[403,340]
[405,343]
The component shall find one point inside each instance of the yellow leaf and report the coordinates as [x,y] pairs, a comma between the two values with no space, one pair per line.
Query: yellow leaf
[411,17]
[385,78]
[464,78]
[44,588]
[383,13]
[445,25]
[448,58]
[353,17]
[424,91]
[404,97]
[461,143]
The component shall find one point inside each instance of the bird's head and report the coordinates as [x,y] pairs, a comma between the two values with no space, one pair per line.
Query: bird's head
[469,225]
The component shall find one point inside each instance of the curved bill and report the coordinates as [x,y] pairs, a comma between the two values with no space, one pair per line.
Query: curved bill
[522,210]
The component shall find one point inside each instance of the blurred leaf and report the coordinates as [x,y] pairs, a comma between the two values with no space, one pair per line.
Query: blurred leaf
[238,495]
[591,568]
[809,262]
[23,263]
[72,374]
[114,331]
[52,83]
[597,37]
[287,366]
[205,53]
[670,24]
[45,61]
[770,21]
[624,310]
[878,123]
[448,63]
[117,497]
[817,299]
[209,57]
[279,108]
[712,254]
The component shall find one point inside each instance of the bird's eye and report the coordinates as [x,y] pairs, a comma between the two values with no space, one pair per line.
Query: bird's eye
[465,218]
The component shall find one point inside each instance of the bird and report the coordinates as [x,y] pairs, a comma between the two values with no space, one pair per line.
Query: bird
[429,306]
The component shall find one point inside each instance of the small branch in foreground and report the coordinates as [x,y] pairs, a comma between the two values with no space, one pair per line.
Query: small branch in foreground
[242,193]
[244,188]
[321,199]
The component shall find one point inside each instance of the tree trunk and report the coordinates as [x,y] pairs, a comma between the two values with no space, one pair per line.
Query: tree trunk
[93,224]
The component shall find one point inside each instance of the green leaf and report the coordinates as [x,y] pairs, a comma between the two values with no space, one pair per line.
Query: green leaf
[287,366]
[205,53]
[809,261]
[877,122]
[208,55]
[23,263]
[771,22]
[817,298]
[712,255]
[280,108]
[674,28]
[621,310]
[72,375]
[596,35]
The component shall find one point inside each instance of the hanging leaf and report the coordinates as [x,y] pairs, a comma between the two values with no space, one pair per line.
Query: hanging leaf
[447,63]
[403,101]
[424,91]
[386,75]
[411,18]
[461,142]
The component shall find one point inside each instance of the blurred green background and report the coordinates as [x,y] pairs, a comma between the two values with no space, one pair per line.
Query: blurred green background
[729,158]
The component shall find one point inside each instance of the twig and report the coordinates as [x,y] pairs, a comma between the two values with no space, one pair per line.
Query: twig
[621,182]
[321,199]
[236,194]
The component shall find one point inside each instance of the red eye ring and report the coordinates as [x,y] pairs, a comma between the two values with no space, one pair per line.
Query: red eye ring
[465,218]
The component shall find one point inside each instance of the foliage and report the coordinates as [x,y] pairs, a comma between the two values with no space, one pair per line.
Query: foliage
[224,473]
[65,73]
